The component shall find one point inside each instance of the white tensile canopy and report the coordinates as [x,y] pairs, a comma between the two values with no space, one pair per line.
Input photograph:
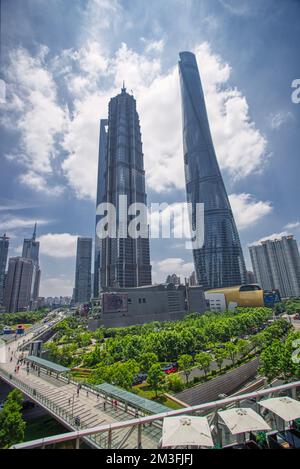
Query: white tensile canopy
[186,431]
[285,407]
[243,420]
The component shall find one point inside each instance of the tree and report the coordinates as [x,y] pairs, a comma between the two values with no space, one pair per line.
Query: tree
[203,361]
[242,346]
[156,378]
[270,360]
[220,355]
[12,425]
[175,383]
[185,363]
[123,373]
[232,351]
[146,360]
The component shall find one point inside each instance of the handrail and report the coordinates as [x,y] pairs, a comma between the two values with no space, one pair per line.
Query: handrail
[149,419]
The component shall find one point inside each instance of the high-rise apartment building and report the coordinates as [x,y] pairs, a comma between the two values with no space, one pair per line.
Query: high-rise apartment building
[82,290]
[121,261]
[276,265]
[219,262]
[4,245]
[17,294]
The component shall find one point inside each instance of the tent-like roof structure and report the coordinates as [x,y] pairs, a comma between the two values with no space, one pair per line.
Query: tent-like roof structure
[285,407]
[186,431]
[46,364]
[131,399]
[243,420]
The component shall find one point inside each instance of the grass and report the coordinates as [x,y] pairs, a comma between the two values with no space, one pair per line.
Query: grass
[144,390]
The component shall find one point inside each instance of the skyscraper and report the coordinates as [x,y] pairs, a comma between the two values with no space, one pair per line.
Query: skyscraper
[31,249]
[17,293]
[82,291]
[4,244]
[276,265]
[219,262]
[121,261]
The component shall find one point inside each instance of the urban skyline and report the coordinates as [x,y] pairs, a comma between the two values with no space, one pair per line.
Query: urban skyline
[254,122]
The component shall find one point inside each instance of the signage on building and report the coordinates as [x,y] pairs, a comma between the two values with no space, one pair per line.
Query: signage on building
[114,302]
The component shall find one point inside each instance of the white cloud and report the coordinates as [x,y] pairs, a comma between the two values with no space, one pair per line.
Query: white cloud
[59,245]
[39,183]
[9,222]
[88,73]
[56,286]
[280,118]
[155,46]
[171,265]
[238,7]
[248,211]
[293,225]
[37,116]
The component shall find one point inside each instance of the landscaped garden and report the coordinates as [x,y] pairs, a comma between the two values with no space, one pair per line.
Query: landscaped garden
[158,358]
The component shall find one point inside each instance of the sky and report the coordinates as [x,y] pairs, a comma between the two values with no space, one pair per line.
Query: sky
[62,61]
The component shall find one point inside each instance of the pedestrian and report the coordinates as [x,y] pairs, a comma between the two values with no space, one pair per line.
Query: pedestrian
[98,397]
[87,394]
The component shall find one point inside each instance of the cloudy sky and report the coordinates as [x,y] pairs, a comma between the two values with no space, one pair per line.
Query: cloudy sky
[63,60]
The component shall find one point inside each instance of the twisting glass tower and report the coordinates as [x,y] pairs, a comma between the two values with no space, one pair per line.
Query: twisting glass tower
[220,262]
[121,261]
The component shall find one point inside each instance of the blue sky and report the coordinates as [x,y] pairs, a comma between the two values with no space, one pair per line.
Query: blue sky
[62,61]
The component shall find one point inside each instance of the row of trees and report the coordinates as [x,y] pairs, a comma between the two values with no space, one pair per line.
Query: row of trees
[26,317]
[122,373]
[185,337]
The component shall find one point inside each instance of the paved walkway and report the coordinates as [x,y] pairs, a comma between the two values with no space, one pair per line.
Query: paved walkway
[87,405]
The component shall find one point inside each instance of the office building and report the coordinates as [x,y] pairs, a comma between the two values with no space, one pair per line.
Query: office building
[82,290]
[17,295]
[31,248]
[219,262]
[121,261]
[173,279]
[4,245]
[276,265]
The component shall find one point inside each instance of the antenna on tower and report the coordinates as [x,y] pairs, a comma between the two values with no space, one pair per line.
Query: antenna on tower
[123,89]
[34,232]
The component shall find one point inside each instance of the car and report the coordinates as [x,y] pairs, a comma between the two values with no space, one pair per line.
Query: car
[171,368]
[139,379]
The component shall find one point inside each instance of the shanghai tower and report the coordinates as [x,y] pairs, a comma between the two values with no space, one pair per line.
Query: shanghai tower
[121,261]
[219,262]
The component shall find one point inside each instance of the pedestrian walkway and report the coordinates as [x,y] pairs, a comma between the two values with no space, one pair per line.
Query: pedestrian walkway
[63,400]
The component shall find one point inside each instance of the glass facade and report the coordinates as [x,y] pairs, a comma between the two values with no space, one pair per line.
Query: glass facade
[4,244]
[82,290]
[220,262]
[121,262]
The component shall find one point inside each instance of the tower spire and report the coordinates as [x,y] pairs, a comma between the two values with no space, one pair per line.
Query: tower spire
[34,232]
[123,88]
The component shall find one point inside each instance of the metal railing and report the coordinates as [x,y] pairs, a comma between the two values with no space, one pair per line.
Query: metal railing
[102,435]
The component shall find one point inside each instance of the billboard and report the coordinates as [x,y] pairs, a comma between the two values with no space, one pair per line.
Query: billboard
[114,302]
